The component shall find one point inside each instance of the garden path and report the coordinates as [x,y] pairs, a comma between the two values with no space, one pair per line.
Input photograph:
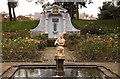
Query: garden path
[49,53]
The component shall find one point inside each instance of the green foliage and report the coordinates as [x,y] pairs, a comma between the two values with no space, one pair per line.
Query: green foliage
[43,42]
[94,30]
[106,26]
[94,48]
[71,7]
[79,24]
[111,25]
[15,34]
[109,11]
[19,46]
[72,40]
[40,37]
[42,45]
[20,25]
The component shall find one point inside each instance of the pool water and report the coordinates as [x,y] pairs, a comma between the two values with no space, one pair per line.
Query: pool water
[69,73]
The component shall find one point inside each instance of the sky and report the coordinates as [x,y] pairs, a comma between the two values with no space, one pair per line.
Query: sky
[26,8]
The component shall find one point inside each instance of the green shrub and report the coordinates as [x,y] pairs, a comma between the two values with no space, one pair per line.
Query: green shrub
[72,40]
[19,46]
[93,47]
[43,42]
[94,30]
[40,37]
[15,34]
[42,45]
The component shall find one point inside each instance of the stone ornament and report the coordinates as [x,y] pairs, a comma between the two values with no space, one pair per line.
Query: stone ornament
[60,42]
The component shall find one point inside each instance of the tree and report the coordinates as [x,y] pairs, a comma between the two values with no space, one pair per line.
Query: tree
[9,7]
[12,5]
[72,7]
[109,11]
[118,10]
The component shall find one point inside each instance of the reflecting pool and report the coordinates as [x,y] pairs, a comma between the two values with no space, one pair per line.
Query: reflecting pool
[70,73]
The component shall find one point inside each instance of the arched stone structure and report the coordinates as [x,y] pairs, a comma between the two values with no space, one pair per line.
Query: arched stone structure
[54,21]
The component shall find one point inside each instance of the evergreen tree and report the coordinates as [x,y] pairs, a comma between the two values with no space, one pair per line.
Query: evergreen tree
[109,10]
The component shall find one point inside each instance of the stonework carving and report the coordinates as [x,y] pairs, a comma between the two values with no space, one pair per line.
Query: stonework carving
[60,42]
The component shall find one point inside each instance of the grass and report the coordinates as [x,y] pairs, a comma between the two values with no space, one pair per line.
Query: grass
[19,25]
[79,24]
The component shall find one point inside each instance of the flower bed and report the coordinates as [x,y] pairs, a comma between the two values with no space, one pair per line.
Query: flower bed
[94,48]
[19,46]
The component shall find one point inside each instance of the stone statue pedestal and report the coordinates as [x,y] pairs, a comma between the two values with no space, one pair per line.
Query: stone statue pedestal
[60,65]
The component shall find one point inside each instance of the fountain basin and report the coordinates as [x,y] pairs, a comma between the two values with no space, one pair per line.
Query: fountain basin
[70,73]
[48,72]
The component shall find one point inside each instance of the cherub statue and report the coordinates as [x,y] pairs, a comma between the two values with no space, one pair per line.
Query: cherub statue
[60,42]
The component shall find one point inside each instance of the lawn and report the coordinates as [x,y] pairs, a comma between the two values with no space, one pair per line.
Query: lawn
[79,24]
[106,26]
[19,25]
[104,23]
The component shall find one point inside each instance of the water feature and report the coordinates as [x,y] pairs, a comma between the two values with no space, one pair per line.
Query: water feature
[50,73]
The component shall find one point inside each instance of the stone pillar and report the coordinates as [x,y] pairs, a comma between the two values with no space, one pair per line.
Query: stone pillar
[59,65]
[64,23]
[46,23]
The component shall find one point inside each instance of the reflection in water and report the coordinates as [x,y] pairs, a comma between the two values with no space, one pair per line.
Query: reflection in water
[34,73]
[81,73]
